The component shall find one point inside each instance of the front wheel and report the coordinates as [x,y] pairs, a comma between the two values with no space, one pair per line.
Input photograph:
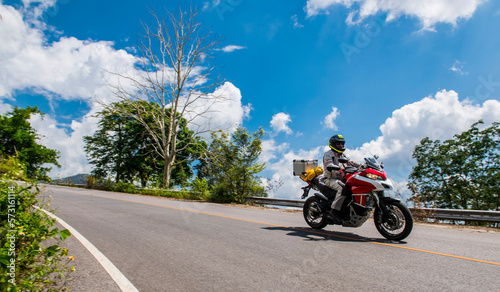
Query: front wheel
[313,213]
[399,224]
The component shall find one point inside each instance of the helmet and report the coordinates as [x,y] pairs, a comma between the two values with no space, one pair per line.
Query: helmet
[337,143]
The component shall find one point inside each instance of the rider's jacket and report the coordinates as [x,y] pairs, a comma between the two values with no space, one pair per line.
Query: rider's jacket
[331,158]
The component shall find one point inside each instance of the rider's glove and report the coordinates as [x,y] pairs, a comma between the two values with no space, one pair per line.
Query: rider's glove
[333,167]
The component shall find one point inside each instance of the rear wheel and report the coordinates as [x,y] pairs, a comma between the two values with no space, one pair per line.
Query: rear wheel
[313,213]
[399,224]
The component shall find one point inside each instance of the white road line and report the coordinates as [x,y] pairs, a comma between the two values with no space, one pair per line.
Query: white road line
[123,283]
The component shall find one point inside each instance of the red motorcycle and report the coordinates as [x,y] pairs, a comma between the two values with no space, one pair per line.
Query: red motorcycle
[365,190]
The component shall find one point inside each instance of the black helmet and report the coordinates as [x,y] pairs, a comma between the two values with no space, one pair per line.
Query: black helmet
[337,143]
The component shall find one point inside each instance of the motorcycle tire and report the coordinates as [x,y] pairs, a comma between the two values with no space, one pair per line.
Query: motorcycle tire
[313,213]
[399,224]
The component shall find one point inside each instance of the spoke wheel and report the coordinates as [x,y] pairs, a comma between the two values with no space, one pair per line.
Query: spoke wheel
[313,213]
[399,223]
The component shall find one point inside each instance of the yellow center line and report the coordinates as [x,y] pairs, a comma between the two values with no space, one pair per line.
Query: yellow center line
[303,230]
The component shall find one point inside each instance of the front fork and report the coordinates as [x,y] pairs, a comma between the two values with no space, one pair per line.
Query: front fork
[381,205]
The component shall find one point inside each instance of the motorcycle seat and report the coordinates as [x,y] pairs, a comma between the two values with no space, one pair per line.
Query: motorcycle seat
[319,183]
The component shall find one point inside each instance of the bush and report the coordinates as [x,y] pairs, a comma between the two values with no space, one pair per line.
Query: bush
[24,231]
[201,187]
[12,168]
[124,188]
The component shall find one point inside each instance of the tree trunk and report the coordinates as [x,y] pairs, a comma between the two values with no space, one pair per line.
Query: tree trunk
[167,171]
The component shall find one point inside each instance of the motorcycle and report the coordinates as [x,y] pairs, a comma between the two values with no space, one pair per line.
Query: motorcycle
[365,190]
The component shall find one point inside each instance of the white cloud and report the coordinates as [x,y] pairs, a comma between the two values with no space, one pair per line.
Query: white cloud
[71,146]
[282,169]
[429,12]
[69,68]
[438,117]
[295,20]
[279,123]
[232,48]
[458,67]
[329,121]
[270,149]
[4,108]
[222,109]
[73,69]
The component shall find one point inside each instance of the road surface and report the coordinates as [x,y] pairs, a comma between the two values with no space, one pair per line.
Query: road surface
[172,245]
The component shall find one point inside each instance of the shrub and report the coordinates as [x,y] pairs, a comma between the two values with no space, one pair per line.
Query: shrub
[29,265]
[124,188]
[12,168]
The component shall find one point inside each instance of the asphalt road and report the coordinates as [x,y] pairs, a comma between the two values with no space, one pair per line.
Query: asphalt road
[171,245]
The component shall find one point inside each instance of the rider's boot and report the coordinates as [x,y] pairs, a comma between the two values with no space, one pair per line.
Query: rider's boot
[335,215]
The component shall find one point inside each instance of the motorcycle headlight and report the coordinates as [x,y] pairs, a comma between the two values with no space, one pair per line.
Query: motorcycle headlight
[374,176]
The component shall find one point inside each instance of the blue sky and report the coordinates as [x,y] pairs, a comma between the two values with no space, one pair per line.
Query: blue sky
[385,74]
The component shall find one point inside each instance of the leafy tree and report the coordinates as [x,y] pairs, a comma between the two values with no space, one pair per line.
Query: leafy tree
[462,172]
[118,148]
[18,139]
[124,149]
[177,75]
[231,168]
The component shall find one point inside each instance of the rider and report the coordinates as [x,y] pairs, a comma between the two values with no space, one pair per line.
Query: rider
[333,175]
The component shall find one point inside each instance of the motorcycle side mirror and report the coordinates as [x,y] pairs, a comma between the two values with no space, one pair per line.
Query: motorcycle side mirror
[343,160]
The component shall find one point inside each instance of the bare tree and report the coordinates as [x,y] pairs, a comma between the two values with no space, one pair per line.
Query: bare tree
[177,76]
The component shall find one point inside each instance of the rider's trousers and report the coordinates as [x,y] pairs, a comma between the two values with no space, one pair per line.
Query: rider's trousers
[339,199]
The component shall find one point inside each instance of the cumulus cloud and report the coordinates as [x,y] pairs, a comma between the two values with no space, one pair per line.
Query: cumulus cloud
[438,117]
[429,12]
[329,121]
[279,123]
[70,146]
[222,109]
[280,169]
[73,69]
[270,149]
[4,108]
[68,68]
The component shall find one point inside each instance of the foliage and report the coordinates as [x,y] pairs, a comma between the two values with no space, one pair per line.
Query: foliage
[182,194]
[231,168]
[18,139]
[177,76]
[462,172]
[24,231]
[200,185]
[12,168]
[129,188]
[119,148]
[123,148]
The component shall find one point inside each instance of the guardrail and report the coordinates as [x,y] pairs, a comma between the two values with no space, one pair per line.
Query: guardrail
[431,213]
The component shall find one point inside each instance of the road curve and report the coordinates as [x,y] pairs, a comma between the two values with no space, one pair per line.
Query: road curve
[170,245]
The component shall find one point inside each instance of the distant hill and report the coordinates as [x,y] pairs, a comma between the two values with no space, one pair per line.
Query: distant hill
[79,179]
